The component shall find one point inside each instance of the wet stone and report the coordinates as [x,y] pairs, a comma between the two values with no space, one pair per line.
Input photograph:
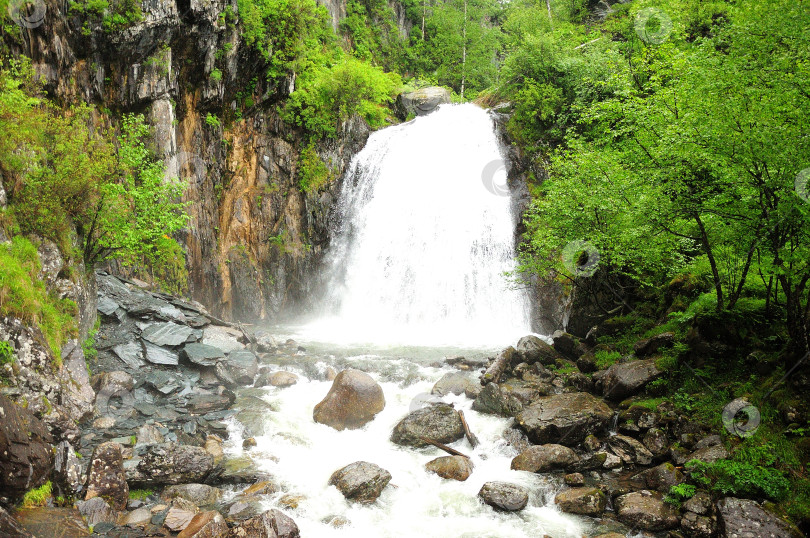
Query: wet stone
[159,355]
[166,334]
[202,354]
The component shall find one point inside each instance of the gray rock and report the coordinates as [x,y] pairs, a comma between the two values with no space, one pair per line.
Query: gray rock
[453,383]
[96,510]
[243,366]
[660,478]
[495,401]
[172,464]
[271,524]
[710,454]
[544,458]
[647,511]
[585,501]
[627,378]
[536,350]
[648,346]
[353,400]
[436,422]
[361,481]
[202,403]
[9,526]
[106,477]
[199,494]
[67,471]
[222,338]
[137,518]
[564,418]
[167,334]
[504,496]
[282,379]
[148,434]
[159,355]
[77,394]
[422,102]
[696,526]
[202,354]
[180,515]
[656,441]
[700,503]
[743,518]
[630,450]
[130,353]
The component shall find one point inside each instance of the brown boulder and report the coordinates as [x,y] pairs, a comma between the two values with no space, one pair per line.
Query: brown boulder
[451,467]
[25,446]
[564,418]
[354,399]
[585,501]
[106,477]
[544,458]
[209,524]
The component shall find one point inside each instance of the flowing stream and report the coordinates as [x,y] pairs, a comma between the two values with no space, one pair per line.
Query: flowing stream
[417,274]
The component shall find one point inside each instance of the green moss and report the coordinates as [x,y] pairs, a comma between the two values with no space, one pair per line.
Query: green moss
[140,494]
[605,358]
[24,295]
[37,496]
[312,172]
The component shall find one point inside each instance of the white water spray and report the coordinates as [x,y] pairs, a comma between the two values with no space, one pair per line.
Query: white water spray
[425,246]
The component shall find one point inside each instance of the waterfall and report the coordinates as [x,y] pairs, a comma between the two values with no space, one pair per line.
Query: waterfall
[426,238]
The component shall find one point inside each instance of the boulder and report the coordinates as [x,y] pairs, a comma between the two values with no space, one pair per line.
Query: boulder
[534,349]
[585,501]
[629,450]
[202,354]
[504,496]
[77,394]
[159,355]
[96,510]
[451,467]
[223,338]
[564,418]
[700,503]
[453,383]
[574,479]
[495,401]
[106,477]
[167,334]
[436,422]
[180,515]
[744,517]
[173,464]
[243,366]
[421,102]
[282,379]
[209,524]
[136,518]
[361,481]
[271,524]
[544,458]
[656,441]
[697,526]
[25,446]
[199,494]
[648,346]
[627,378]
[148,435]
[646,511]
[354,400]
[67,471]
[710,454]
[660,478]
[567,344]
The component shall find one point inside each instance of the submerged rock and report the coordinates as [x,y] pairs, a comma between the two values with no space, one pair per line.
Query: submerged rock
[361,481]
[354,400]
[504,496]
[436,422]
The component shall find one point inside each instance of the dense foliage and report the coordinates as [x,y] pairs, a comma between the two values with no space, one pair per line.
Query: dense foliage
[65,175]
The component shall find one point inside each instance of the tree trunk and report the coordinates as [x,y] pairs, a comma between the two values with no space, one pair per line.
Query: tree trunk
[550,20]
[424,13]
[718,284]
[464,51]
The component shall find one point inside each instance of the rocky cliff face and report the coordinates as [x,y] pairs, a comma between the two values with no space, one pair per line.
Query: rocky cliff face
[255,236]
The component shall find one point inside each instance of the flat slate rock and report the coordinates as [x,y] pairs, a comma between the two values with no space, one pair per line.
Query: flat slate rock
[106,305]
[202,354]
[167,334]
[158,355]
[130,353]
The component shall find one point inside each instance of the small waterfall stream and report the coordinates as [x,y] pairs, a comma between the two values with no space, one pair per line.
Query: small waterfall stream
[416,274]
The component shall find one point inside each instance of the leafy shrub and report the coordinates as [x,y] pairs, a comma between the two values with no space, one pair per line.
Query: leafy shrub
[333,94]
[37,496]
[680,493]
[312,172]
[606,358]
[738,478]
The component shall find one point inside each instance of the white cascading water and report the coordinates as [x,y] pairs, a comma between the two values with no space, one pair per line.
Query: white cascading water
[425,246]
[417,275]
